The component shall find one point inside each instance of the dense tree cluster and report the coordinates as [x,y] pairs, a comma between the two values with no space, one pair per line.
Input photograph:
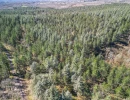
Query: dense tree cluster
[62,48]
[4,64]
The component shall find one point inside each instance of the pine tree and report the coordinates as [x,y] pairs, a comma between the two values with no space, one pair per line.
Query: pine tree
[39,90]
[68,95]
[51,73]
[79,86]
[54,94]
[34,68]
[66,73]
[74,78]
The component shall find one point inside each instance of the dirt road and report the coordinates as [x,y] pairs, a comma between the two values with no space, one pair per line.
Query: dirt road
[13,88]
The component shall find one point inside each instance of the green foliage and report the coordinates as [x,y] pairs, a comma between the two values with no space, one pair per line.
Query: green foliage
[4,66]
[64,46]
[66,73]
[79,86]
[66,95]
[117,84]
[1,47]
[35,69]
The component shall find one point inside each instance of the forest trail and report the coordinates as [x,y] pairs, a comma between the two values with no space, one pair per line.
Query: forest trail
[20,82]
[15,87]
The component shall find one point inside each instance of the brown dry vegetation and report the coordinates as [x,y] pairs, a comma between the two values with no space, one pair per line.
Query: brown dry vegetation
[121,55]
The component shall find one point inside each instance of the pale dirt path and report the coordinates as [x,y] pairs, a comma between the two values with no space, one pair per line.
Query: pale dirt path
[20,83]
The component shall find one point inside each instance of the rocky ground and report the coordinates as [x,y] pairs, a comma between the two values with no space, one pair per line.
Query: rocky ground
[13,88]
[119,52]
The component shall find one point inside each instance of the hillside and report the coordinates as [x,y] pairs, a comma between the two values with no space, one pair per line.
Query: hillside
[63,0]
[57,4]
[77,53]
[118,55]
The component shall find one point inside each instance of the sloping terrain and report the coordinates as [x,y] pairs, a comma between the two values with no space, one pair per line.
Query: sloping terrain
[14,87]
[58,4]
[118,55]
[75,53]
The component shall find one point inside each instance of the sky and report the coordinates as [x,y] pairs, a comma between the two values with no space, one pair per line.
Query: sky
[27,0]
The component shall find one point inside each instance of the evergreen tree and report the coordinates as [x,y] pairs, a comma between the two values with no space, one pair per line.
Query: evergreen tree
[66,73]
[79,86]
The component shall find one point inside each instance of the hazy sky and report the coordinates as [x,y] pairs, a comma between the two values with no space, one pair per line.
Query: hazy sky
[33,0]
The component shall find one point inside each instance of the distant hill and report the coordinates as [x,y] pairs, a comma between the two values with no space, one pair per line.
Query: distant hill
[5,1]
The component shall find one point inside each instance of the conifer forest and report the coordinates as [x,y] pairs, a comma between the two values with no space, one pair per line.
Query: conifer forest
[65,54]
